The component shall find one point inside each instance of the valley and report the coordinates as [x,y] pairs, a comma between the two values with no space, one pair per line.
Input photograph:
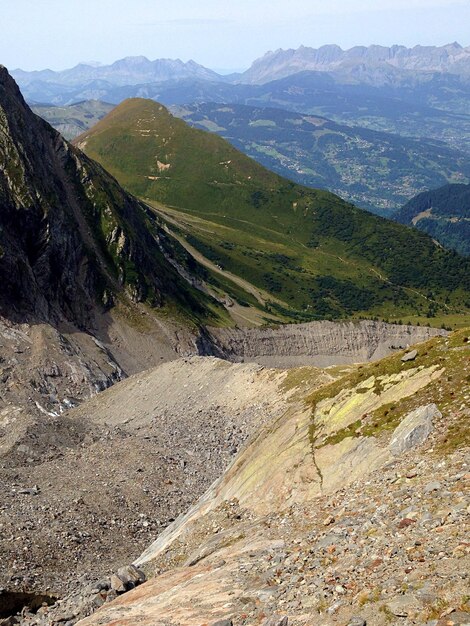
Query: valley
[229,395]
[375,171]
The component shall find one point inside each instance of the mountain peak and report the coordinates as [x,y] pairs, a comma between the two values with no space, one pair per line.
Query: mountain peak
[130,70]
[6,79]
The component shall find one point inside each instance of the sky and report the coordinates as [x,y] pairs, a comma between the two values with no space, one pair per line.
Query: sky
[220,34]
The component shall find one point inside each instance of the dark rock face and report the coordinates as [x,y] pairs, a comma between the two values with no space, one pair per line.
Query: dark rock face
[69,235]
[40,246]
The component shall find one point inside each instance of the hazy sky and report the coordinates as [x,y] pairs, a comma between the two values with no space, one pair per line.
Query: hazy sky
[217,33]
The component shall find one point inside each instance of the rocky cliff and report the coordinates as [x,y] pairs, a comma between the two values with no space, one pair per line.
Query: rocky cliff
[316,343]
[70,237]
[84,272]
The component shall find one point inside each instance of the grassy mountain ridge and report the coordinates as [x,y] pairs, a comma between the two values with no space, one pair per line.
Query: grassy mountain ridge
[436,106]
[317,255]
[376,170]
[443,213]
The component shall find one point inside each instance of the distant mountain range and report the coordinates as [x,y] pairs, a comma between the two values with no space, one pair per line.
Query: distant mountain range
[427,104]
[373,64]
[127,71]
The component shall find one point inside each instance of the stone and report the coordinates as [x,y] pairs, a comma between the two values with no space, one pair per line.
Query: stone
[131,576]
[111,595]
[223,622]
[334,607]
[276,620]
[99,599]
[103,584]
[434,485]
[401,606]
[326,541]
[357,621]
[414,429]
[409,356]
[405,522]
[117,584]
[30,491]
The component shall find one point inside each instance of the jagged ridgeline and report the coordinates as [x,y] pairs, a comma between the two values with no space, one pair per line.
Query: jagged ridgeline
[70,237]
[316,255]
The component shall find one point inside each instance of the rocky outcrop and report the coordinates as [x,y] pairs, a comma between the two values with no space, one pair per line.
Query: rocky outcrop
[414,429]
[316,343]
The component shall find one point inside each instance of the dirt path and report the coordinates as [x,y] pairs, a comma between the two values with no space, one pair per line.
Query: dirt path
[261,296]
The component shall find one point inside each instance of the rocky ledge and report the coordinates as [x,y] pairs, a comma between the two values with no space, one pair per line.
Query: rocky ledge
[317,343]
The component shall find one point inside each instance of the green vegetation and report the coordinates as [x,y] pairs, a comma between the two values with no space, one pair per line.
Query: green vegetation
[442,213]
[316,255]
[449,392]
[128,248]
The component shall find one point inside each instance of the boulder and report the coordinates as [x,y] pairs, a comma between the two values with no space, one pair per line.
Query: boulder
[117,584]
[131,576]
[414,429]
[276,620]
[409,356]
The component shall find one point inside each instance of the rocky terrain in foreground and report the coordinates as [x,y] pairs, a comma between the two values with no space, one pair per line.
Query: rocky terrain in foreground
[83,492]
[351,507]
